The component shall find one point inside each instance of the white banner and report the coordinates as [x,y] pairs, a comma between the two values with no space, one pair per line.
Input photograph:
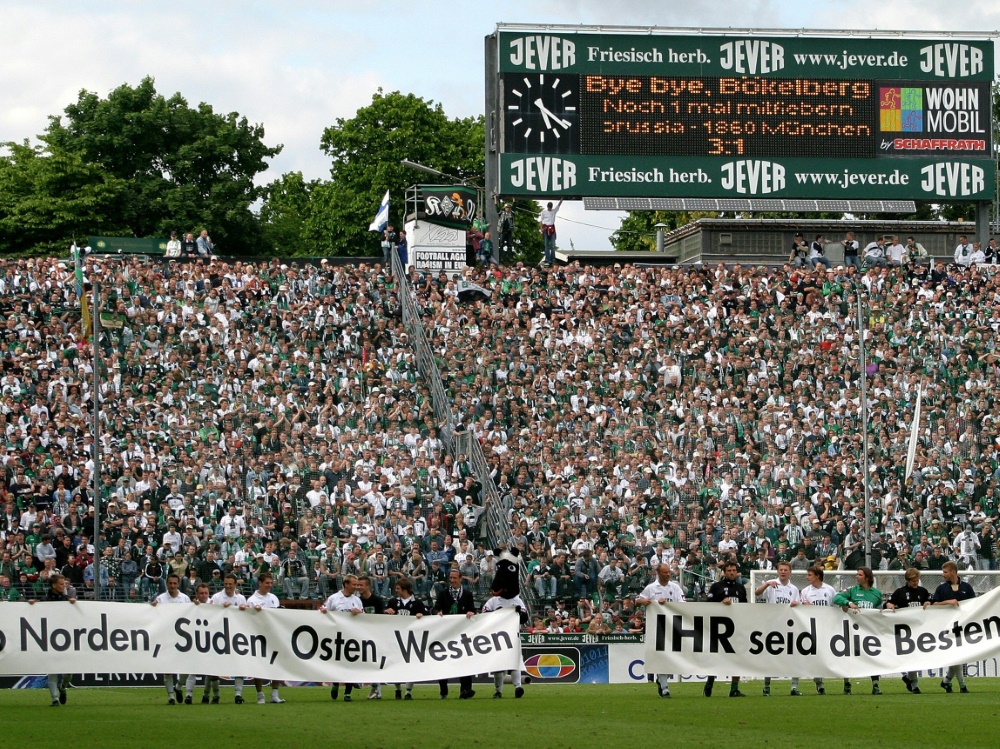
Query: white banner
[911,451]
[767,640]
[89,637]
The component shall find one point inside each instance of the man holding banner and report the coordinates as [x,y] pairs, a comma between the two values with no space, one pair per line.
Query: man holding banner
[57,683]
[779,591]
[816,593]
[345,599]
[864,595]
[728,590]
[263,598]
[911,595]
[405,604]
[173,595]
[456,599]
[661,590]
[227,597]
[952,592]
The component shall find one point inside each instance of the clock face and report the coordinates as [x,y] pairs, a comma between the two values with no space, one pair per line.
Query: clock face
[541,112]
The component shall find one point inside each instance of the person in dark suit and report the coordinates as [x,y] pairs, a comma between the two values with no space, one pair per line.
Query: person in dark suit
[456,599]
[58,682]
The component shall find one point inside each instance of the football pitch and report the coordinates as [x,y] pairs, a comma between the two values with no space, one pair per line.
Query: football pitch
[599,716]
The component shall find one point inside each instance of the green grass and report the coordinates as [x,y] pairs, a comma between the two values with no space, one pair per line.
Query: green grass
[599,716]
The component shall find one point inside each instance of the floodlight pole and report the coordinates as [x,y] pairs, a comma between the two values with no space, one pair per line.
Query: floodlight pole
[96,284]
[865,470]
[425,169]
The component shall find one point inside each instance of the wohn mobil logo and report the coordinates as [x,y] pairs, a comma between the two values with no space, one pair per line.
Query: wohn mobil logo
[953,179]
[752,56]
[753,177]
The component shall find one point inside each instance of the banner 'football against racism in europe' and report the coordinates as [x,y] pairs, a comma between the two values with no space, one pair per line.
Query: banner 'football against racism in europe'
[769,640]
[277,644]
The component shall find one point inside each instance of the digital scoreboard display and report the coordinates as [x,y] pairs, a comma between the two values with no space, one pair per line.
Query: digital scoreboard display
[726,116]
[644,105]
[751,116]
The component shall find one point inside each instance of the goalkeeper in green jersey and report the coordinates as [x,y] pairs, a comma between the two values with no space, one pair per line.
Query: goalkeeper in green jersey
[863,595]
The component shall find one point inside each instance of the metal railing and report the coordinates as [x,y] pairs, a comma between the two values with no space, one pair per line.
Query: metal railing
[459,441]
[423,352]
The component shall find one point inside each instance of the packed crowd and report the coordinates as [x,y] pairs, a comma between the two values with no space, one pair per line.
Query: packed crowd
[269,418]
[692,415]
[254,418]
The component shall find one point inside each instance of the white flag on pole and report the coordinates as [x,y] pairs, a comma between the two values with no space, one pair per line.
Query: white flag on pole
[382,217]
[911,452]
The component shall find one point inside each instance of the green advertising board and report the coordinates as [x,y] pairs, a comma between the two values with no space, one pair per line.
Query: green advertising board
[128,245]
[741,177]
[650,114]
[581,638]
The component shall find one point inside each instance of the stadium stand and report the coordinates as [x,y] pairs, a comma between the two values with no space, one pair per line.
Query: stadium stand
[602,419]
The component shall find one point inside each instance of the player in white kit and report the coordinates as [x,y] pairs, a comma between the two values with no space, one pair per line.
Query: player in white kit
[226,597]
[780,591]
[201,595]
[345,599]
[662,590]
[172,595]
[816,593]
[263,598]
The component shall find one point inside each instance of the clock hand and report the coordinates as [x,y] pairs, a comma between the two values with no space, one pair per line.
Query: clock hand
[546,114]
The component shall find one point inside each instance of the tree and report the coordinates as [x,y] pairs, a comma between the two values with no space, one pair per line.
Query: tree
[366,151]
[176,167]
[46,198]
[284,214]
[637,232]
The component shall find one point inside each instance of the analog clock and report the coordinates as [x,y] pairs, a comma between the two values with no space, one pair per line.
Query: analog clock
[541,113]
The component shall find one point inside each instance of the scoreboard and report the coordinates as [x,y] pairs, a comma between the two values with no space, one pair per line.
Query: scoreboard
[657,115]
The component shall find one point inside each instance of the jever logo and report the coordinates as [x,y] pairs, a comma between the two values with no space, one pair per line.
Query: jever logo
[753,177]
[542,52]
[543,174]
[953,179]
[951,60]
[752,56]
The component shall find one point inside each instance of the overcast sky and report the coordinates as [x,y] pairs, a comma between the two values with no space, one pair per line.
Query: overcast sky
[297,65]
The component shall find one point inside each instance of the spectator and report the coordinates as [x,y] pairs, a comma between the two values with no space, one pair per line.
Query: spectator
[916,253]
[205,247]
[851,248]
[294,574]
[547,224]
[189,247]
[817,253]
[874,254]
[598,626]
[895,253]
[173,250]
[963,252]
[799,255]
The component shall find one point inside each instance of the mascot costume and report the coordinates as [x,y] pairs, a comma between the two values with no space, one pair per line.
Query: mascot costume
[506,592]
